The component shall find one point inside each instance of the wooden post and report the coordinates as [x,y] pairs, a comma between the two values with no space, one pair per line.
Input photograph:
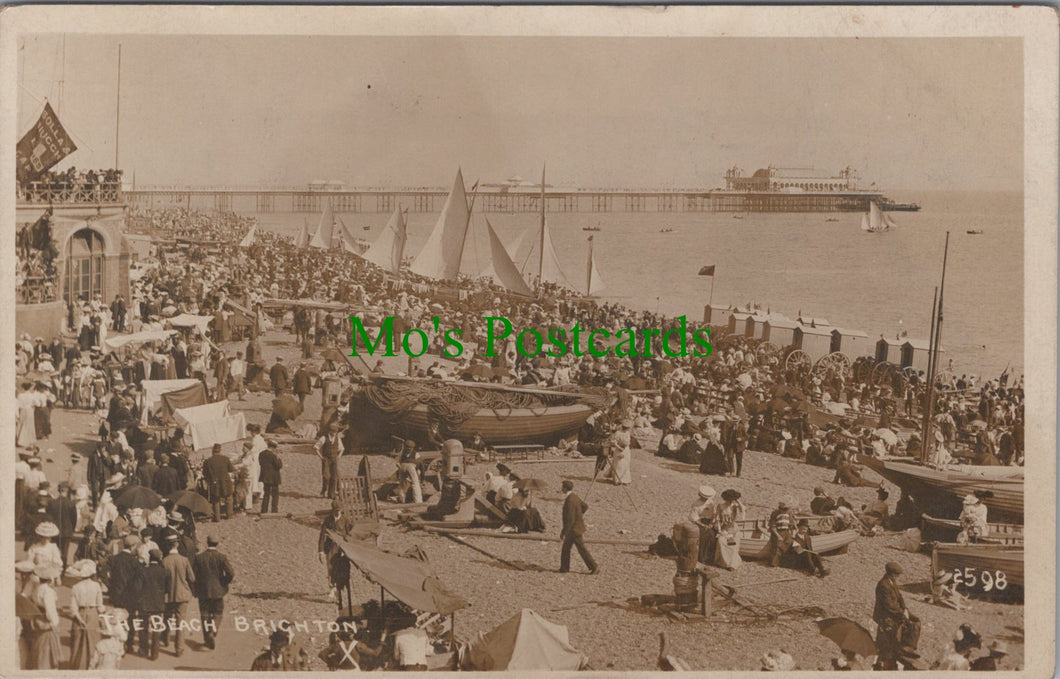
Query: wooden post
[706,594]
[452,631]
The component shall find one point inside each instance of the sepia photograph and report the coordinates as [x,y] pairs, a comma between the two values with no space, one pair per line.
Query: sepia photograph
[618,340]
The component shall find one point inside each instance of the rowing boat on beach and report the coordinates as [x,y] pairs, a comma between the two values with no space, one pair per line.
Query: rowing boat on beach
[979,568]
[945,488]
[946,530]
[754,537]
[500,414]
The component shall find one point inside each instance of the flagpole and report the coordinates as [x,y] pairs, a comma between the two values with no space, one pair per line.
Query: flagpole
[467,225]
[711,301]
[117,116]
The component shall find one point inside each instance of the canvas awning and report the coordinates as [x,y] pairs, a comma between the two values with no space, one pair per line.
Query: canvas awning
[191,321]
[153,390]
[211,423]
[188,397]
[117,341]
[526,641]
[410,581]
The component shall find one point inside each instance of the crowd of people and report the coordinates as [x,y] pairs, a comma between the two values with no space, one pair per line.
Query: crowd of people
[145,560]
[73,185]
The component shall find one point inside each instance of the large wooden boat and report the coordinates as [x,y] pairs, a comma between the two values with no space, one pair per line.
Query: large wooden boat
[987,569]
[946,530]
[754,537]
[500,414]
[943,489]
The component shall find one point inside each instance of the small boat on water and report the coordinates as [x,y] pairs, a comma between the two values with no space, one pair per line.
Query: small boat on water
[945,488]
[980,569]
[876,220]
[754,537]
[974,232]
[591,228]
[738,216]
[946,530]
[666,230]
[832,219]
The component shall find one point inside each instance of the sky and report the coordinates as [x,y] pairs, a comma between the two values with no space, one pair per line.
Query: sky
[929,114]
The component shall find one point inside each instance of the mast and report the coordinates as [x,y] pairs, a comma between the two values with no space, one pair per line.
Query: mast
[933,364]
[467,225]
[117,116]
[589,270]
[62,76]
[926,428]
[541,242]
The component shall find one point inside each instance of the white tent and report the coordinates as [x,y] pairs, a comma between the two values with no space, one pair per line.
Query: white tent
[211,423]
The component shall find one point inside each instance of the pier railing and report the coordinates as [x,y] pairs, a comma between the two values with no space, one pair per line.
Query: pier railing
[65,192]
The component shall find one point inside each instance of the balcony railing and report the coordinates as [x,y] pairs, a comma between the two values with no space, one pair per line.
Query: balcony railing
[37,290]
[63,192]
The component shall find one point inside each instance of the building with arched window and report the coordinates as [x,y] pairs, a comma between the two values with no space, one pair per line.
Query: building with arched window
[91,259]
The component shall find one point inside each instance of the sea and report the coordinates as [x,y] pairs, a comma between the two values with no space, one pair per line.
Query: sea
[791,263]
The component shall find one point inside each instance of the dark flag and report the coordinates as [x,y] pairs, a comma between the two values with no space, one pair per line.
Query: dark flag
[43,146]
[707,271]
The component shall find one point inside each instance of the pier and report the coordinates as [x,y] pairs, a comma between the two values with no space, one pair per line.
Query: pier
[247,199]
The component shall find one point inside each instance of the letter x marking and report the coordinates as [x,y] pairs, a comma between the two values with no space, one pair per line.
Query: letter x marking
[347,652]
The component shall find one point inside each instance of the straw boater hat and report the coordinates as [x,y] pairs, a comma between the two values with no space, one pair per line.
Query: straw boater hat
[47,529]
[970,500]
[116,479]
[998,646]
[24,566]
[85,568]
[706,493]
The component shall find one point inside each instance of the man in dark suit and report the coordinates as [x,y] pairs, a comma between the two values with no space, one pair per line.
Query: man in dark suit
[218,470]
[124,582]
[889,614]
[302,383]
[146,470]
[271,464]
[279,377]
[63,512]
[573,529]
[166,481]
[156,581]
[213,573]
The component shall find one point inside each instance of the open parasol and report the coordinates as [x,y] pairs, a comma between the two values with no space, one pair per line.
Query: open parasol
[191,501]
[531,484]
[286,406]
[888,436]
[848,635]
[132,497]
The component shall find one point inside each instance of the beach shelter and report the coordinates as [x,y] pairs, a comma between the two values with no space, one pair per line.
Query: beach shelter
[191,321]
[780,331]
[526,641]
[154,389]
[118,341]
[211,423]
[410,581]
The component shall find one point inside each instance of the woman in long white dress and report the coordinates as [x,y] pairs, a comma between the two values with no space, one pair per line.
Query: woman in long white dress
[726,521]
[86,603]
[46,651]
[26,428]
[621,473]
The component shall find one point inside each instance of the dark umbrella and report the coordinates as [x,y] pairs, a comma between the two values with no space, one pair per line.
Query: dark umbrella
[191,501]
[132,497]
[332,354]
[848,635]
[531,484]
[286,406]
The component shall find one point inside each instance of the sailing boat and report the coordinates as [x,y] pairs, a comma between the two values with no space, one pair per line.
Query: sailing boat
[440,257]
[876,220]
[389,248]
[593,282]
[302,239]
[324,237]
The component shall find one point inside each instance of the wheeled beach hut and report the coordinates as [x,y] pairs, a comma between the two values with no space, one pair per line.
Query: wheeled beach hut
[740,323]
[757,325]
[780,332]
[852,343]
[915,354]
[889,351]
[717,317]
[815,342]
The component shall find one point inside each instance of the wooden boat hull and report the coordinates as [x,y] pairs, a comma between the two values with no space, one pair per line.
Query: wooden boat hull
[926,484]
[754,538]
[946,530]
[986,569]
[505,427]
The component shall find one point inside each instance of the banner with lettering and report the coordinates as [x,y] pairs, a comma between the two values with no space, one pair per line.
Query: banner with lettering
[43,146]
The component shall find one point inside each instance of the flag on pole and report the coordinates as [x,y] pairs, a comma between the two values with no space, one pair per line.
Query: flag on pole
[43,146]
[707,270]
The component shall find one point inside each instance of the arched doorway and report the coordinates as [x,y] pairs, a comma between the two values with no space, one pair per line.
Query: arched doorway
[84,265]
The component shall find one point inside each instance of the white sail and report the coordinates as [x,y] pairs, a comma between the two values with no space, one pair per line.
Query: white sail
[303,237]
[325,234]
[876,220]
[593,283]
[440,257]
[502,270]
[347,241]
[865,222]
[389,247]
[248,239]
[549,264]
